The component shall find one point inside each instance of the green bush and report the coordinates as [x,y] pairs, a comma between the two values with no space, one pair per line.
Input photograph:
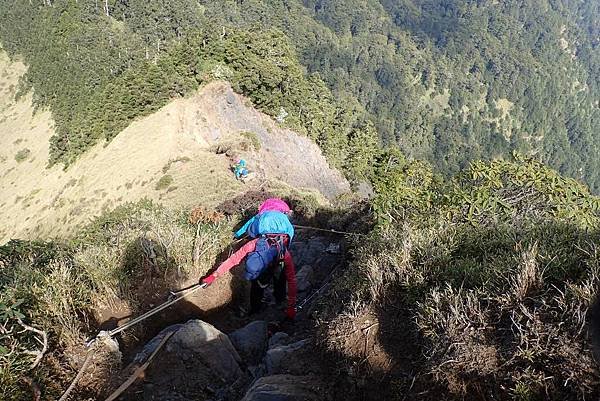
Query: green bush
[164,182]
[22,155]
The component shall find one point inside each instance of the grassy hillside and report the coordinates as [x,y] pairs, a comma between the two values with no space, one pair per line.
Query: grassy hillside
[67,289]
[481,284]
[175,156]
[478,287]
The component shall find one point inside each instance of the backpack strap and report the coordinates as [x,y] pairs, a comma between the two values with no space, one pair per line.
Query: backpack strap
[280,241]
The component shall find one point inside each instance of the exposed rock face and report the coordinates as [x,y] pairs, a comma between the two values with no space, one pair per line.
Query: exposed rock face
[286,388]
[283,154]
[198,361]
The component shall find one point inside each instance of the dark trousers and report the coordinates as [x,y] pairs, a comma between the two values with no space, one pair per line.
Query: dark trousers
[257,289]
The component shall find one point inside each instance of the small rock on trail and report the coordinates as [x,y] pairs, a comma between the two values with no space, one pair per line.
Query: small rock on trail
[285,359]
[279,338]
[198,361]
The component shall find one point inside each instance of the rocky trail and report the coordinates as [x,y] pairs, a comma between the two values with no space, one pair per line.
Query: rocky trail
[231,356]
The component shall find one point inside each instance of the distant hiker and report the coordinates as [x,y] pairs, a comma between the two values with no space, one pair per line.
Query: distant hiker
[240,169]
[268,258]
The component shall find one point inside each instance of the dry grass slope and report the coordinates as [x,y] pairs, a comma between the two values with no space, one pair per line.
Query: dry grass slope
[177,141]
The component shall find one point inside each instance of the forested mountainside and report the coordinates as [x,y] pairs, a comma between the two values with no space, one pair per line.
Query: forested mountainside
[452,81]
[98,69]
[447,81]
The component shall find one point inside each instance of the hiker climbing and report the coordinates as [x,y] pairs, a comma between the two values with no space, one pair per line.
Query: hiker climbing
[240,169]
[268,258]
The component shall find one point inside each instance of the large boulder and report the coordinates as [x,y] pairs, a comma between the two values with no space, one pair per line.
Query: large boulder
[251,341]
[286,388]
[198,361]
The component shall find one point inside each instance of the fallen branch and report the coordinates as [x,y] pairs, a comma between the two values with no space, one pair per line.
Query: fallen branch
[138,372]
[44,343]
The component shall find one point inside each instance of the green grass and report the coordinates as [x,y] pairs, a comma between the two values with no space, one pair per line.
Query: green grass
[252,138]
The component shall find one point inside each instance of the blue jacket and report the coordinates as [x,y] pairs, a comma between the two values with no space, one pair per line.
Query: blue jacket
[269,222]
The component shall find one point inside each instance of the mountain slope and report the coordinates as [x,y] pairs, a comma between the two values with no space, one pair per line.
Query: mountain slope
[177,144]
[436,75]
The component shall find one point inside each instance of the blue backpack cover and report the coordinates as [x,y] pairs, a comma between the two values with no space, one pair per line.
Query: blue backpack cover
[270,222]
[260,259]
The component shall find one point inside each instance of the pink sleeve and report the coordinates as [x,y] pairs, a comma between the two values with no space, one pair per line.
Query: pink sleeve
[236,258]
[290,275]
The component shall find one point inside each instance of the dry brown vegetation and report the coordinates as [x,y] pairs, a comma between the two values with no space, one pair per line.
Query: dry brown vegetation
[472,313]
[457,296]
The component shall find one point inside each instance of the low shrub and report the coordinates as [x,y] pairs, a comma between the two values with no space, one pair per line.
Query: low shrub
[22,155]
[164,182]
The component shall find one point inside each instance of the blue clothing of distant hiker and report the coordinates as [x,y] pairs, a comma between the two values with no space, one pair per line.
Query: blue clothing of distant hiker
[269,222]
[240,170]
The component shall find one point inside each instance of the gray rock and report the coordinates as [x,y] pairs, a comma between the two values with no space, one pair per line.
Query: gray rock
[251,341]
[151,345]
[198,339]
[286,388]
[305,278]
[197,361]
[282,358]
[279,338]
[230,98]
[309,252]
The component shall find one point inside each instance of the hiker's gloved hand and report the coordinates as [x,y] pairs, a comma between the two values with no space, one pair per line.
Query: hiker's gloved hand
[290,313]
[208,280]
